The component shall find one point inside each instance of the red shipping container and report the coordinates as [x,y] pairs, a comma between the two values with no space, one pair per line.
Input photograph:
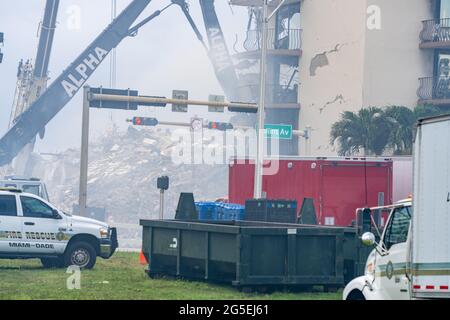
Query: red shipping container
[338,186]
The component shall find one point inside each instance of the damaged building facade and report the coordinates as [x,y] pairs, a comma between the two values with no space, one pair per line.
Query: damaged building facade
[351,54]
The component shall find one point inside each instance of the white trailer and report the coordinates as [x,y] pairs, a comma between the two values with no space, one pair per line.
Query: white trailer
[412,258]
[430,254]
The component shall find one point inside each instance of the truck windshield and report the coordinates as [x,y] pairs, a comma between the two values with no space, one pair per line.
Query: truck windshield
[398,227]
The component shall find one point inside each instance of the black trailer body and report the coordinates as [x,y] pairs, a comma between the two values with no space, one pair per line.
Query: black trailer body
[248,254]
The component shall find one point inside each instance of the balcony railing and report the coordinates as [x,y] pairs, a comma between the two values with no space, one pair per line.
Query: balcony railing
[275,94]
[437,30]
[434,88]
[289,40]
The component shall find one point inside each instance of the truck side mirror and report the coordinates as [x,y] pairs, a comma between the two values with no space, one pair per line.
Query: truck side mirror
[364,221]
[368,239]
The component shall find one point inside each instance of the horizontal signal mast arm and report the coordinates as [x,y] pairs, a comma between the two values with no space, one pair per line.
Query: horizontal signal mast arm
[143,99]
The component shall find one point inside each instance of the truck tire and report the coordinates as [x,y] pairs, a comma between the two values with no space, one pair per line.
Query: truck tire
[80,254]
[356,295]
[52,263]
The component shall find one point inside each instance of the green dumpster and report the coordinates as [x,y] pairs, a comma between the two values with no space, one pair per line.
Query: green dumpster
[248,254]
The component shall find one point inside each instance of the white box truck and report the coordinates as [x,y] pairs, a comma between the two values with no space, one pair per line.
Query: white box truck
[411,259]
[430,249]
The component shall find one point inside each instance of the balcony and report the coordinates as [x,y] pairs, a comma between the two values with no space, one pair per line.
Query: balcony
[285,40]
[285,43]
[434,90]
[277,96]
[435,34]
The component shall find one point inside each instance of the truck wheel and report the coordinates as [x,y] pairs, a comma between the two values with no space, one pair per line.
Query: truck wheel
[50,263]
[80,254]
[356,295]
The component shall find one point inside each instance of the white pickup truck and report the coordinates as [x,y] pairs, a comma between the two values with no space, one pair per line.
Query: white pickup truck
[31,227]
[412,258]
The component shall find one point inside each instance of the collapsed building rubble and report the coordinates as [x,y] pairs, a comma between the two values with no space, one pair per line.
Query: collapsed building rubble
[123,169]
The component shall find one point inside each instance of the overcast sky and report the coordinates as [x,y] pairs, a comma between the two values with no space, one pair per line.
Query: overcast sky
[164,56]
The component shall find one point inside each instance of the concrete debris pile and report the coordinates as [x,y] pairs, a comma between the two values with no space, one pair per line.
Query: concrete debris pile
[123,169]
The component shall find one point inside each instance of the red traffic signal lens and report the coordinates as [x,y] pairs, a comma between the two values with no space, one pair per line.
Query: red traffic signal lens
[147,122]
[220,126]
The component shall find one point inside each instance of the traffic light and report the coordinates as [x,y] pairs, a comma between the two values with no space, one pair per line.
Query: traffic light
[114,104]
[163,183]
[233,108]
[221,126]
[146,122]
[153,104]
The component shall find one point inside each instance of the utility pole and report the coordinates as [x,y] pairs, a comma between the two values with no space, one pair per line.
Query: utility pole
[259,162]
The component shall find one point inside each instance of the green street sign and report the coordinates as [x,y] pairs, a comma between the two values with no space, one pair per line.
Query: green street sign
[278,131]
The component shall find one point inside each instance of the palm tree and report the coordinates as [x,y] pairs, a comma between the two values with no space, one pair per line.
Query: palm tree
[367,130]
[425,111]
[375,130]
[401,122]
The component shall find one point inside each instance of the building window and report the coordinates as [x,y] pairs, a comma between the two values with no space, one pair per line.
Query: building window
[443,65]
[442,75]
[288,27]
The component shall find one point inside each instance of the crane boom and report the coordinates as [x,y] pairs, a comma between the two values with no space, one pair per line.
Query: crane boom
[64,88]
[218,51]
[219,54]
[32,81]
[46,39]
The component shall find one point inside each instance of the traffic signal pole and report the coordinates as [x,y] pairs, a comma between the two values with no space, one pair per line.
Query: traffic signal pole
[259,163]
[161,204]
[82,202]
[89,97]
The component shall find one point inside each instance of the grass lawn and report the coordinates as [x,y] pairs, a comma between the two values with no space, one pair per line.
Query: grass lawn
[120,278]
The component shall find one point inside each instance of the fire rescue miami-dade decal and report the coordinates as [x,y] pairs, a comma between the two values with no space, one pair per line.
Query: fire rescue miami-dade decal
[42,236]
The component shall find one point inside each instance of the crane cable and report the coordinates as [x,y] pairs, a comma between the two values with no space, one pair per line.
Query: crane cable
[185,8]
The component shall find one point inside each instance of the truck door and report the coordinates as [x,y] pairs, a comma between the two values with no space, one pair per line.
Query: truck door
[10,225]
[44,232]
[392,267]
